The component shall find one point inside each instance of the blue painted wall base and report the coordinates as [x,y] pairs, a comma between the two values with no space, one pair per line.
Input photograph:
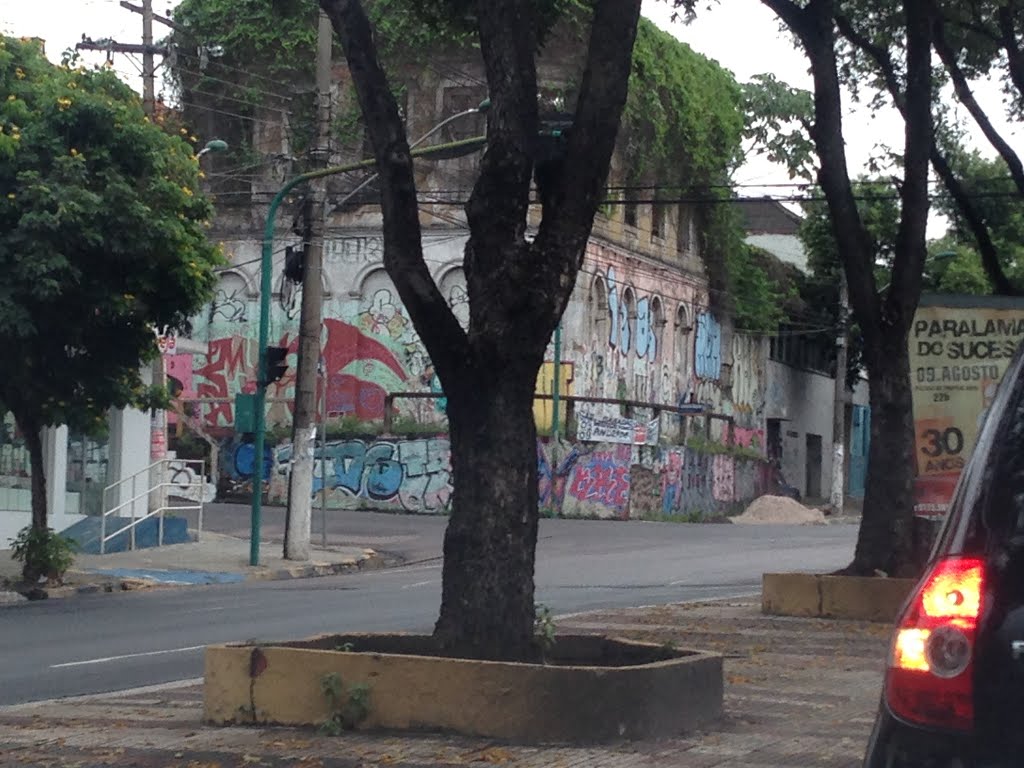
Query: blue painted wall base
[86,533]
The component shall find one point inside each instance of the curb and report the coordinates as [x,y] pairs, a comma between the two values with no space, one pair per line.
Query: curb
[371,561]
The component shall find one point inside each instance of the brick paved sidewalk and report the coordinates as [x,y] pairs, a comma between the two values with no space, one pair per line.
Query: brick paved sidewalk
[800,693]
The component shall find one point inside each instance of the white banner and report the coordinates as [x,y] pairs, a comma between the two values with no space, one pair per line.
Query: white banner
[613,429]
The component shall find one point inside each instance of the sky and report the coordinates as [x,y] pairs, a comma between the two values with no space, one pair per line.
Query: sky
[742,35]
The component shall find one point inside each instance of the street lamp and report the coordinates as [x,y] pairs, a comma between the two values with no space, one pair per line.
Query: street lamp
[213,145]
[260,399]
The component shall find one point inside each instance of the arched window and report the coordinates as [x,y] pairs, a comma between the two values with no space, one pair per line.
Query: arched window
[597,310]
[683,341]
[657,328]
[453,287]
[627,322]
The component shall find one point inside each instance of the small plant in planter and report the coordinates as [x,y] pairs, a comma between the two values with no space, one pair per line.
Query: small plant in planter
[544,629]
[43,553]
[349,705]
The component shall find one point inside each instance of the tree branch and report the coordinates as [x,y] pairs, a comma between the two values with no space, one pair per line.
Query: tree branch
[815,27]
[1008,39]
[403,248]
[975,221]
[792,15]
[578,188]
[908,266]
[963,92]
[501,195]
[972,216]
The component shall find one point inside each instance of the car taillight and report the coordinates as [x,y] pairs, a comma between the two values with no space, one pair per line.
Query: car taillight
[930,675]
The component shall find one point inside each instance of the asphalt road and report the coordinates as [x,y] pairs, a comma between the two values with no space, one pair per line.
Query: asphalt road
[103,642]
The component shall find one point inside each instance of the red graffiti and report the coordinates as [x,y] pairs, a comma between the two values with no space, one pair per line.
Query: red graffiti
[600,477]
[351,358]
[229,370]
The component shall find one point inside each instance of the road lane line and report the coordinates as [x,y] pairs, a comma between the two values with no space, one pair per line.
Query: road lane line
[107,659]
[689,601]
[419,584]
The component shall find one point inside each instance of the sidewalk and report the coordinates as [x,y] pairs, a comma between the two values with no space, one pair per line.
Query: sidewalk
[214,559]
[799,693]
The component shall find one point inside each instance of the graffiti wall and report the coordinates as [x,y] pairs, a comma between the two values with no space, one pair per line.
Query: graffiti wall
[370,347]
[575,479]
[633,332]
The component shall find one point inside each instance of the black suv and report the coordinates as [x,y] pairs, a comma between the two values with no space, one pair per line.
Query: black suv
[954,684]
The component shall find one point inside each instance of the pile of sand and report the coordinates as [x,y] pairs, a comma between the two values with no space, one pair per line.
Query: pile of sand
[767,510]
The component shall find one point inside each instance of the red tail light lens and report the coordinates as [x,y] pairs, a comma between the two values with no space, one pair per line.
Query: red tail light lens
[930,676]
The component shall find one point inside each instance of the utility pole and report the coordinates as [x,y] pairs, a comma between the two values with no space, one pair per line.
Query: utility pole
[148,50]
[148,63]
[837,496]
[300,484]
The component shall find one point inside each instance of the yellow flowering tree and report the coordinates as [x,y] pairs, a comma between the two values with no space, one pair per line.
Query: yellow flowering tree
[101,241]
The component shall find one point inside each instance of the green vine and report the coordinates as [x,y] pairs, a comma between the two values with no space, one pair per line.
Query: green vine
[683,112]
[681,128]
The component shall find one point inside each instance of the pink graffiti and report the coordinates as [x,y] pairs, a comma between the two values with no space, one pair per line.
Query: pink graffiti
[723,478]
[603,477]
[747,437]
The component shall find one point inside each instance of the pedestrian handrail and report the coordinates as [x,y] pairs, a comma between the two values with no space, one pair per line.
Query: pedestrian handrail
[169,482]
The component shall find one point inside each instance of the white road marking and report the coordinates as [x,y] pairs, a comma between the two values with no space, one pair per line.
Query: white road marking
[716,598]
[419,584]
[107,659]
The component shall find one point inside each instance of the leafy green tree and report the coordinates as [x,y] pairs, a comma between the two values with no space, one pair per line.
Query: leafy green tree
[102,241]
[883,316]
[998,206]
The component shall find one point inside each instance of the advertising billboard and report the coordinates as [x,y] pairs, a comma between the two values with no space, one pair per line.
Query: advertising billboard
[959,350]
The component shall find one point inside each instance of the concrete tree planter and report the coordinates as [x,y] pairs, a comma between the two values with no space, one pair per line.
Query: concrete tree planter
[834,597]
[593,689]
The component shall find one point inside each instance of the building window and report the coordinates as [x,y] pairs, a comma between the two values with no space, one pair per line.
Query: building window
[684,231]
[597,310]
[683,342]
[657,221]
[629,213]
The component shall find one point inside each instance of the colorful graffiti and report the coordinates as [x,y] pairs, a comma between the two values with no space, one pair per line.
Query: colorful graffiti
[574,479]
[412,475]
[708,349]
[646,339]
[642,333]
[598,483]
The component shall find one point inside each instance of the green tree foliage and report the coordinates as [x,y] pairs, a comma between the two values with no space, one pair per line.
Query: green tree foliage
[778,120]
[101,241]
[996,198]
[954,267]
[879,210]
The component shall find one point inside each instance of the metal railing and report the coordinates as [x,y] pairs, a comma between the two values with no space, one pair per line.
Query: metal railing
[684,410]
[179,478]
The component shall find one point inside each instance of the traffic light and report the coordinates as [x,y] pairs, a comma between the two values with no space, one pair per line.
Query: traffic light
[276,365]
[294,263]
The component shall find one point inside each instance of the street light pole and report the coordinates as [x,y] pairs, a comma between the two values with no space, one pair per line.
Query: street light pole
[266,263]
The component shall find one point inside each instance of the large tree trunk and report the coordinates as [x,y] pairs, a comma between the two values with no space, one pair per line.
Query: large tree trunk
[32,570]
[487,608]
[518,289]
[884,543]
[34,443]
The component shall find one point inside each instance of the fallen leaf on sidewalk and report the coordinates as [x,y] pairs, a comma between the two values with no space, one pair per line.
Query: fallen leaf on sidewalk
[492,755]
